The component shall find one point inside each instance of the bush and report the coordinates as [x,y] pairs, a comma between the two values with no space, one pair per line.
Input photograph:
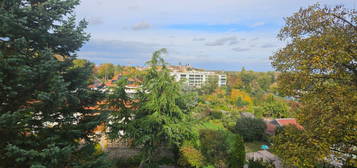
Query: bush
[165,160]
[251,129]
[222,148]
[260,164]
[216,115]
[241,103]
[258,111]
[190,156]
[131,162]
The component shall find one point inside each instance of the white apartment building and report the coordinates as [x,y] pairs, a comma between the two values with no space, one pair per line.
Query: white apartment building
[198,78]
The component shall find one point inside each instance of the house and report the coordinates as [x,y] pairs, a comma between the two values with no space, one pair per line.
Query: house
[131,88]
[274,124]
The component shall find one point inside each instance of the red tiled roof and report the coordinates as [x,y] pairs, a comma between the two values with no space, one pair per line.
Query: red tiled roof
[270,128]
[288,121]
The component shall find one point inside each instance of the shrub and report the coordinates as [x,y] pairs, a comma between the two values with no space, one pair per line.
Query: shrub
[260,164]
[190,156]
[258,111]
[131,162]
[216,115]
[237,157]
[166,160]
[222,148]
[251,129]
[241,103]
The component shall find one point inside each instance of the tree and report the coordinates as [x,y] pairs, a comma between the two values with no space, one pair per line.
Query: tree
[240,98]
[276,109]
[209,86]
[159,113]
[318,68]
[105,71]
[222,148]
[44,116]
[82,69]
[297,148]
[251,129]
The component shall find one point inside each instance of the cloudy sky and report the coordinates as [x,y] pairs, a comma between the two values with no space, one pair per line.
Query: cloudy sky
[209,34]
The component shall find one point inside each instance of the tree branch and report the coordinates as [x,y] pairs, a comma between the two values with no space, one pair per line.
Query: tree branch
[344,20]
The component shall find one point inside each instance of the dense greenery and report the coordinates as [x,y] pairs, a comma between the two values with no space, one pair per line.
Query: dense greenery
[45,119]
[190,156]
[105,71]
[222,148]
[251,129]
[318,68]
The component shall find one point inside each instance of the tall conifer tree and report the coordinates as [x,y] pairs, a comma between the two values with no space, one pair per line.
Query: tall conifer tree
[44,116]
[156,117]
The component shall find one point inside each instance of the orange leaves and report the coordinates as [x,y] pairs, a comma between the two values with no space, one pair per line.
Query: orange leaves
[236,93]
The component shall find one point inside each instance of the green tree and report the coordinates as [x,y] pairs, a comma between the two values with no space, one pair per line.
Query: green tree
[106,71]
[318,68]
[159,115]
[222,148]
[43,95]
[276,109]
[82,69]
[247,78]
[251,129]
[209,86]
[118,69]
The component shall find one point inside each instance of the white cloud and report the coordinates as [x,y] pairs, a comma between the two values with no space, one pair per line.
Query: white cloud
[198,39]
[257,24]
[222,41]
[238,49]
[95,20]
[268,45]
[141,26]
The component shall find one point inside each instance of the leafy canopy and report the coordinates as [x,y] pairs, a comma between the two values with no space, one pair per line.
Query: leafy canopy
[319,69]
[251,129]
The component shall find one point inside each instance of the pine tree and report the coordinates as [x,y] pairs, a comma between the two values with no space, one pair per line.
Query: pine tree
[45,119]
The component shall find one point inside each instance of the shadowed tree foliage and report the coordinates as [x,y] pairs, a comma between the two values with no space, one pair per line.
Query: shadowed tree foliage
[319,69]
[222,148]
[251,129]
[43,91]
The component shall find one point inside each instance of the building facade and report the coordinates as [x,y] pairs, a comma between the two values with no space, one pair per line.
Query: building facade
[198,78]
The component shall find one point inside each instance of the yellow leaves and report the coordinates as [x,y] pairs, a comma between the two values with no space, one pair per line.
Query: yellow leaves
[191,157]
[236,93]
[216,95]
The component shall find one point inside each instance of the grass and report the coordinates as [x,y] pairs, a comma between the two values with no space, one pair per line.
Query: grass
[253,146]
[210,124]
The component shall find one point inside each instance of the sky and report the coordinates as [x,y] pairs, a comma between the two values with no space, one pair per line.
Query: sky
[209,34]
